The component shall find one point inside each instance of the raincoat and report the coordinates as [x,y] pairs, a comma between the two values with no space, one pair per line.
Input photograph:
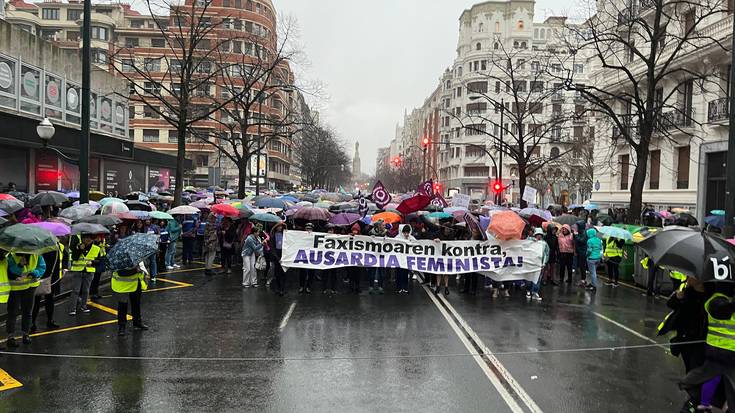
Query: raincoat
[594,245]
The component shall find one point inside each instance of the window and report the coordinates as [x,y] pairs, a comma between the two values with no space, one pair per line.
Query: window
[458,92]
[73,14]
[132,42]
[496,46]
[131,112]
[483,65]
[99,33]
[476,171]
[655,169]
[174,66]
[476,108]
[204,66]
[520,25]
[682,168]
[201,161]
[50,14]
[497,86]
[127,65]
[478,47]
[535,151]
[151,88]
[519,86]
[150,135]
[152,64]
[473,130]
[481,28]
[689,20]
[73,36]
[474,152]
[578,68]
[631,51]
[202,89]
[477,87]
[173,136]
[623,166]
[535,66]
[99,56]
[158,42]
[536,108]
[49,34]
[537,86]
[136,23]
[225,3]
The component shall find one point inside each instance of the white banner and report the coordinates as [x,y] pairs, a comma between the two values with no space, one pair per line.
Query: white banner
[499,260]
[529,194]
[461,200]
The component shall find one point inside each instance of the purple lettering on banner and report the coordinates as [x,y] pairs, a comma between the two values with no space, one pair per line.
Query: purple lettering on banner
[435,264]
[484,263]
[393,262]
[410,262]
[462,265]
[474,264]
[381,258]
[370,260]
[496,262]
[508,262]
[520,260]
[421,263]
[356,259]
[450,265]
[329,258]
[301,258]
[342,259]
[315,257]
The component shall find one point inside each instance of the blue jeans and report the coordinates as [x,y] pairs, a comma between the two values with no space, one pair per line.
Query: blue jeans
[376,276]
[534,287]
[592,266]
[170,253]
[153,266]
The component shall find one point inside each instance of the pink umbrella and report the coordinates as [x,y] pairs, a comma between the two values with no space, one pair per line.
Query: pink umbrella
[114,208]
[226,210]
[731,241]
[55,228]
[312,214]
[506,225]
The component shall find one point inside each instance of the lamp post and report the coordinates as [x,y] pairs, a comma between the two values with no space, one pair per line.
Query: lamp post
[86,97]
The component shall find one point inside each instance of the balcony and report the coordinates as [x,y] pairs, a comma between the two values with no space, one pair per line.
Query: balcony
[676,119]
[718,110]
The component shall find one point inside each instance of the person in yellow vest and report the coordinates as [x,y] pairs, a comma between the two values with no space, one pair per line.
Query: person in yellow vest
[4,284]
[56,262]
[613,256]
[128,286]
[719,364]
[24,274]
[84,256]
[94,287]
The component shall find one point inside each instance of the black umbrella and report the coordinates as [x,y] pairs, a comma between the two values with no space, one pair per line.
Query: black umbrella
[605,219]
[135,195]
[696,254]
[21,196]
[685,220]
[11,206]
[138,206]
[104,220]
[88,229]
[567,219]
[48,198]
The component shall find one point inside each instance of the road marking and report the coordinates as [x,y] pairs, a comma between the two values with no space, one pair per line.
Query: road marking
[106,309]
[490,356]
[634,287]
[179,283]
[287,316]
[631,331]
[507,397]
[7,381]
[182,270]
[81,327]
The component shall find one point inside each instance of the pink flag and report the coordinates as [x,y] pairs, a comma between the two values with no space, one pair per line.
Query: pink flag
[439,201]
[426,188]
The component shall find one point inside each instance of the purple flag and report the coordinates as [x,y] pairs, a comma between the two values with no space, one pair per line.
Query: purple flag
[363,204]
[439,201]
[426,188]
[380,195]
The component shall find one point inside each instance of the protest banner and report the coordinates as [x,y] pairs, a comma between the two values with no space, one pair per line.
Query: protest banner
[529,194]
[461,200]
[499,260]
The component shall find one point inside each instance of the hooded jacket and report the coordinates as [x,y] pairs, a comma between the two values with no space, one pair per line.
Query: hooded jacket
[566,242]
[580,240]
[410,233]
[594,245]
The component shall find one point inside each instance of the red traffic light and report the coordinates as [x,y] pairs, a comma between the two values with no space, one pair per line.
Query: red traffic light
[437,187]
[426,141]
[497,187]
[397,160]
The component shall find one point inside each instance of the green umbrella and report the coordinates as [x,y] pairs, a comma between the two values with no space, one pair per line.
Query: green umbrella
[265,218]
[27,239]
[160,215]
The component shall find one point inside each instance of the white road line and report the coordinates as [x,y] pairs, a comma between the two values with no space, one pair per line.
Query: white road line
[509,400]
[631,331]
[522,394]
[287,316]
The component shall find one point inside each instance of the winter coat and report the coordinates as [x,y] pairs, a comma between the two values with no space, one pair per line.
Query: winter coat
[410,234]
[566,242]
[252,245]
[594,245]
[553,242]
[580,240]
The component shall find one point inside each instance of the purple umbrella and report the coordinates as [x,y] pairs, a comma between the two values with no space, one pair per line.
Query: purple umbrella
[312,214]
[55,228]
[345,218]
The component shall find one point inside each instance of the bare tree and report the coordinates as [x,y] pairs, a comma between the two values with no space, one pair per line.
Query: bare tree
[323,158]
[642,90]
[261,110]
[176,84]
[403,176]
[516,83]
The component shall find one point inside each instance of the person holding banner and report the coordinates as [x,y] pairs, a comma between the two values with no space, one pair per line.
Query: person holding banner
[375,282]
[402,273]
[470,279]
[446,233]
[276,252]
[355,272]
[306,274]
[532,289]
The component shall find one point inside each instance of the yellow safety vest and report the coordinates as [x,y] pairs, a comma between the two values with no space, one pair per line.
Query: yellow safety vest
[24,283]
[677,276]
[720,333]
[85,263]
[60,259]
[128,284]
[4,281]
[103,247]
[611,248]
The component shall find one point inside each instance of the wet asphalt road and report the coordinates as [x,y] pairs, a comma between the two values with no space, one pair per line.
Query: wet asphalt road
[350,353]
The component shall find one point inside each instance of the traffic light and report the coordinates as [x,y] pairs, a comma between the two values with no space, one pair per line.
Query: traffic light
[437,188]
[397,161]
[426,141]
[497,187]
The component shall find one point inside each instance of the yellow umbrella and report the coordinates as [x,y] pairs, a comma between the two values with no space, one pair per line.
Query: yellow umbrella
[96,195]
[643,233]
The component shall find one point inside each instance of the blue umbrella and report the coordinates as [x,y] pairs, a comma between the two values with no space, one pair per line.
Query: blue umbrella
[289,198]
[592,207]
[717,221]
[575,206]
[615,232]
[440,215]
[271,203]
[265,218]
[140,214]
[131,251]
[718,212]
[367,219]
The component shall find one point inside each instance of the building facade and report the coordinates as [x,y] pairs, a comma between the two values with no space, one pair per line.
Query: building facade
[123,37]
[687,162]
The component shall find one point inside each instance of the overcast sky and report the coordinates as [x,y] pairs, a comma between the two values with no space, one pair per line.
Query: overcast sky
[379,57]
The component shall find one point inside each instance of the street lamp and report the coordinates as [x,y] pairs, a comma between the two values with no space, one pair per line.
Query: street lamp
[46,131]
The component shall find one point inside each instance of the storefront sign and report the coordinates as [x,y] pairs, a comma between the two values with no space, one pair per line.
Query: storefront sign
[47,171]
[6,76]
[159,178]
[72,99]
[122,178]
